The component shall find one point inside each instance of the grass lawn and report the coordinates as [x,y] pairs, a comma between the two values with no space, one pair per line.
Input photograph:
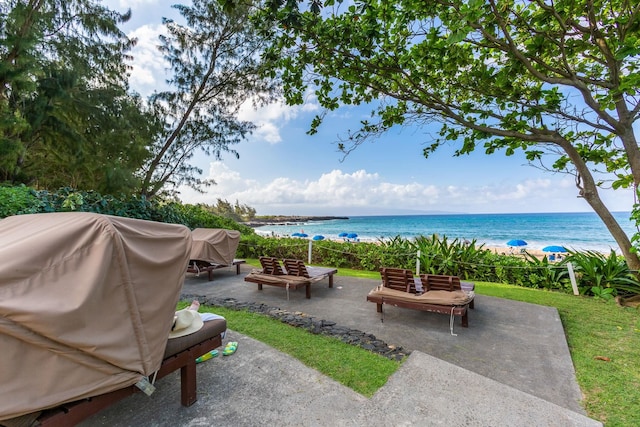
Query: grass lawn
[604,340]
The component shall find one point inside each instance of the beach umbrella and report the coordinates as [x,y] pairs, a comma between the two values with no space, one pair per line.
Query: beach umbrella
[303,235]
[318,237]
[516,242]
[554,249]
[352,236]
[343,234]
[296,235]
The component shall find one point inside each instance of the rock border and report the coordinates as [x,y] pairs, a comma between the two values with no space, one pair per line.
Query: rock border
[315,326]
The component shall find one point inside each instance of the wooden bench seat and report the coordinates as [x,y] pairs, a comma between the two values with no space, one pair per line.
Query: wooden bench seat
[436,294]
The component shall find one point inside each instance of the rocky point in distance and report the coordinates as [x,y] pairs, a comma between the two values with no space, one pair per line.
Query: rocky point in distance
[291,220]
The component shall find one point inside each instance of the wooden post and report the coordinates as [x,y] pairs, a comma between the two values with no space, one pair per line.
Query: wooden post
[572,277]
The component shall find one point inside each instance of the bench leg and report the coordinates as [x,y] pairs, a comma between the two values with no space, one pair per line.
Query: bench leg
[210,274]
[379,307]
[308,290]
[237,269]
[472,305]
[188,383]
[331,280]
[465,319]
[259,286]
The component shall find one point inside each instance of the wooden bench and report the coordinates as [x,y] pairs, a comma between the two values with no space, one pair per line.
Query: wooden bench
[294,275]
[403,293]
[180,353]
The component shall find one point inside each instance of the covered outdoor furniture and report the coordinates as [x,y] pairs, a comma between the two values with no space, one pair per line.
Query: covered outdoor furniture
[437,294]
[213,248]
[274,274]
[86,305]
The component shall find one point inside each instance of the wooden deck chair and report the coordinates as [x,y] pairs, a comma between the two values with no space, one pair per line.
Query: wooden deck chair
[271,265]
[296,267]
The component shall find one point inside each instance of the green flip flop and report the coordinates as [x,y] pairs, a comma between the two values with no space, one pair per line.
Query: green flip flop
[230,348]
[207,356]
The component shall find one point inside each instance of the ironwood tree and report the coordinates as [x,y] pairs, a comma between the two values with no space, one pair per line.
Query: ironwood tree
[66,118]
[215,59]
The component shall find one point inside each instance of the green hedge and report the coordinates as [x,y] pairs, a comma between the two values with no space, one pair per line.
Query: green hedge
[25,200]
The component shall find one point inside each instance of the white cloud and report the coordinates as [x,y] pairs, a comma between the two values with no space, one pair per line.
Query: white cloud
[270,119]
[149,67]
[362,192]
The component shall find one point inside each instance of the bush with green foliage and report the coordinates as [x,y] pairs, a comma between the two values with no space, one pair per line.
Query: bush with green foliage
[24,200]
[18,200]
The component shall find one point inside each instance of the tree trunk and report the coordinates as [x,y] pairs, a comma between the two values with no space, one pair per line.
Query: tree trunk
[589,191]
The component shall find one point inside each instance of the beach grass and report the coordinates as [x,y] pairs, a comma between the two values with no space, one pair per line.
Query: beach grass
[603,338]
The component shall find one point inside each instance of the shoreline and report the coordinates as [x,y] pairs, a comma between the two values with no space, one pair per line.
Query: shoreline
[288,220]
[579,233]
[500,250]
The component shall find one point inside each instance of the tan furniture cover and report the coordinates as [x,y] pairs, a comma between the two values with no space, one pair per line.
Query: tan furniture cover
[86,304]
[214,245]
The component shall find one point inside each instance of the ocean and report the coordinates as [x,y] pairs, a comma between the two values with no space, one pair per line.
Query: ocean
[578,231]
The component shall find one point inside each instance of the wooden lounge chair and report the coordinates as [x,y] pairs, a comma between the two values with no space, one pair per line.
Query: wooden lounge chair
[296,267]
[180,353]
[198,266]
[213,248]
[271,265]
[274,274]
[399,288]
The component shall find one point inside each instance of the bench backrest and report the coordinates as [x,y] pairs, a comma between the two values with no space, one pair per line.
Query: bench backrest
[435,282]
[398,278]
[295,267]
[271,265]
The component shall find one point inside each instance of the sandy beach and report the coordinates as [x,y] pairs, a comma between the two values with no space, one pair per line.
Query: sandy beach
[516,251]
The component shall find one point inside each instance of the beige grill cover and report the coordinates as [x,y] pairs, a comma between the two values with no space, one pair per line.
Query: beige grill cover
[86,304]
[214,245]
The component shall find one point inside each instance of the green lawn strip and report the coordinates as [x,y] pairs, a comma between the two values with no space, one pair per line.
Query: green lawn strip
[361,370]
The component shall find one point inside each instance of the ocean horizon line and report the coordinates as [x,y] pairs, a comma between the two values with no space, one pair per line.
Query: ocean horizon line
[573,230]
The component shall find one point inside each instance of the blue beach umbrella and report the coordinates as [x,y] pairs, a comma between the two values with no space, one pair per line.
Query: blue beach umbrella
[296,235]
[516,242]
[554,249]
[343,234]
[318,237]
[352,235]
[303,235]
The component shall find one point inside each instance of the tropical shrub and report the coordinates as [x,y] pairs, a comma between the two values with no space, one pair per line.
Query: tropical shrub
[596,272]
[17,201]
[23,200]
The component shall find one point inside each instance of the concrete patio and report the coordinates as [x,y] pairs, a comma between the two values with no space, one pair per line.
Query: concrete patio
[511,366]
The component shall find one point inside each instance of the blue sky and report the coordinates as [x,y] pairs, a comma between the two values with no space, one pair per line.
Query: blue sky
[282,170]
